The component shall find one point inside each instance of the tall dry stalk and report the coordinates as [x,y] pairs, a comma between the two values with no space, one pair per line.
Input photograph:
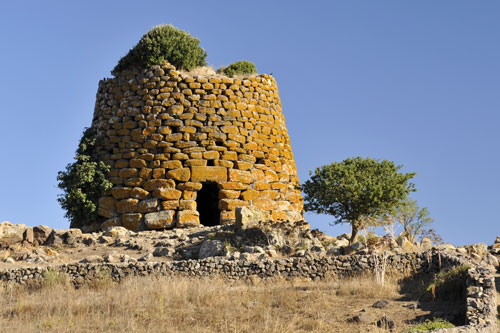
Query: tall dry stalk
[380,268]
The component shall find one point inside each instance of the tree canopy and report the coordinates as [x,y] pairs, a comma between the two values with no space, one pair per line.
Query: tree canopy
[357,191]
[83,182]
[413,219]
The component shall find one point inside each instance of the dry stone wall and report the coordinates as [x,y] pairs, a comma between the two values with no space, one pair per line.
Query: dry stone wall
[480,300]
[186,149]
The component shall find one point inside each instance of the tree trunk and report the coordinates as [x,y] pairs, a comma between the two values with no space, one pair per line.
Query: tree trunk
[354,232]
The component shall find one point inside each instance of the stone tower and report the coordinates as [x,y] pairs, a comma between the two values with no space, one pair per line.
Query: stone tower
[188,150]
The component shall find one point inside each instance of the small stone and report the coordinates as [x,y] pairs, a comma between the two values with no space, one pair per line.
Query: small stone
[386,323]
[146,257]
[380,304]
[92,259]
[363,317]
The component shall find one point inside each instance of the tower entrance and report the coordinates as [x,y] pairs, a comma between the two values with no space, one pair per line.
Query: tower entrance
[207,202]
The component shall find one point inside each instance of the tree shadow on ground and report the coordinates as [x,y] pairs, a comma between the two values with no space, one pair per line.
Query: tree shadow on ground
[415,289]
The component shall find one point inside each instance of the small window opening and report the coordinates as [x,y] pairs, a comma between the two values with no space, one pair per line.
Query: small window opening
[210,163]
[207,202]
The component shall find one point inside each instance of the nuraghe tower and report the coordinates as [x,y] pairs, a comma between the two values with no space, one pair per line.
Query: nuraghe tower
[188,150]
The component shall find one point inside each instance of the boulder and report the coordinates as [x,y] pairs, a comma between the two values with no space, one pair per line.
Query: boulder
[447,247]
[116,232]
[426,244]
[341,242]
[250,217]
[56,237]
[28,235]
[11,233]
[72,236]
[41,233]
[481,249]
[212,248]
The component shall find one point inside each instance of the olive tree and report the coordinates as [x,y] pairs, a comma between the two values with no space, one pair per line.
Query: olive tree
[359,191]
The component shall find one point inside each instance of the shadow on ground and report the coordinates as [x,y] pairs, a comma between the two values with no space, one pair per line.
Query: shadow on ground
[415,288]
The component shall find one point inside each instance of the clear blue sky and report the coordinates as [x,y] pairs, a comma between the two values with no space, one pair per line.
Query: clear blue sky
[415,82]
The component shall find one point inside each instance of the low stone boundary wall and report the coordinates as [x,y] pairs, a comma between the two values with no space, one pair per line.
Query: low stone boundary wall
[481,299]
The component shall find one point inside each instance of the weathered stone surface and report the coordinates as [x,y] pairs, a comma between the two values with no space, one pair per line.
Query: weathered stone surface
[11,233]
[112,222]
[208,173]
[106,207]
[426,244]
[187,218]
[147,206]
[167,193]
[127,205]
[159,220]
[132,221]
[182,174]
[116,232]
[41,233]
[250,217]
[212,248]
[155,184]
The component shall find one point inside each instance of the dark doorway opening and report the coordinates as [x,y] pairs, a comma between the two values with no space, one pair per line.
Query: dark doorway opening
[207,201]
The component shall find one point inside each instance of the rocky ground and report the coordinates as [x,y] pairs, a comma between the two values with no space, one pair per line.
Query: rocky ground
[42,245]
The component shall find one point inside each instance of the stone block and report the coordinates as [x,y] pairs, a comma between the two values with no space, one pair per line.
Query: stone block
[231,204]
[250,217]
[113,222]
[229,194]
[240,176]
[182,174]
[154,184]
[147,206]
[138,193]
[208,173]
[187,218]
[189,186]
[250,195]
[120,192]
[170,204]
[128,173]
[138,163]
[167,193]
[127,205]
[173,164]
[175,110]
[106,207]
[131,221]
[159,220]
[187,205]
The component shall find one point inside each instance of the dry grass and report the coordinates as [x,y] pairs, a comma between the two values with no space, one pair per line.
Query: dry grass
[199,305]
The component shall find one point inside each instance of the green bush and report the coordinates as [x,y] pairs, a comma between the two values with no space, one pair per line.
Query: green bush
[83,182]
[449,285]
[431,325]
[164,42]
[242,67]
